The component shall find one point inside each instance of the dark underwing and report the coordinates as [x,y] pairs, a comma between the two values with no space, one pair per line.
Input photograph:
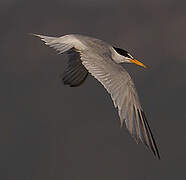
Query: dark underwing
[75,73]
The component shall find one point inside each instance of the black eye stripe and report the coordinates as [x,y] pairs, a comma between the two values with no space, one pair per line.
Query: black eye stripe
[121,52]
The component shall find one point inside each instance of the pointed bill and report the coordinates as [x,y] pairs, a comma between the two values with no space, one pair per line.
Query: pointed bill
[135,61]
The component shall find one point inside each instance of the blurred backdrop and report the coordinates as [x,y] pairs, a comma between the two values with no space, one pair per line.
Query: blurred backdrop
[50,131]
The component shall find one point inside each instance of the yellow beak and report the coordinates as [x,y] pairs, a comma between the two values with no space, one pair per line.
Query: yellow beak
[137,62]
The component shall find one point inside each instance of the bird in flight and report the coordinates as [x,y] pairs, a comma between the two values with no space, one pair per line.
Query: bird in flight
[88,55]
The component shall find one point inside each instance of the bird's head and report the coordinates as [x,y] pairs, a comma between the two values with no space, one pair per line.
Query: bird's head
[126,57]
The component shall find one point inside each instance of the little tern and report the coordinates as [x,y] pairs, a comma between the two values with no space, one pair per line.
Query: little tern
[88,55]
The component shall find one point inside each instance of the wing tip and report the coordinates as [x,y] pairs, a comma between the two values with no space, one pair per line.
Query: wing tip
[152,143]
[37,35]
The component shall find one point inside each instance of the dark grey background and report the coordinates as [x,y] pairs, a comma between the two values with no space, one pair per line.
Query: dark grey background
[50,131]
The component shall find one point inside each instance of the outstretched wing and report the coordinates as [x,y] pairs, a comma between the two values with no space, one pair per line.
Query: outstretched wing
[121,87]
[75,73]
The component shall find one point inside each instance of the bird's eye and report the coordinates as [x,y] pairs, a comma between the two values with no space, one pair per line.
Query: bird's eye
[130,56]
